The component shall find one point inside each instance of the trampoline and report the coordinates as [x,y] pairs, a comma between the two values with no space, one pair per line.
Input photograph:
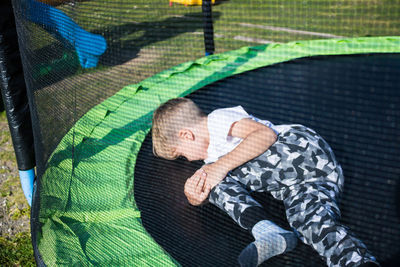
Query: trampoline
[131,210]
[88,75]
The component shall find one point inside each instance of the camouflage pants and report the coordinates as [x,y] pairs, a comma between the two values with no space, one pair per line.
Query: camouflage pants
[301,170]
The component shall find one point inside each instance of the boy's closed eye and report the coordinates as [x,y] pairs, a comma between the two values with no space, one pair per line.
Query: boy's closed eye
[181,157]
[178,156]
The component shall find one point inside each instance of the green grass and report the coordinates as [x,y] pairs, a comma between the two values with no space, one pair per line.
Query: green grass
[15,250]
[148,36]
[10,188]
[152,23]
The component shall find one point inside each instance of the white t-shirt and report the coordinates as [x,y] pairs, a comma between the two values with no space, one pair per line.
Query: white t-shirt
[219,123]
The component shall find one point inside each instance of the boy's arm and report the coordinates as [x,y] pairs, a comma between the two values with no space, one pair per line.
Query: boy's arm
[257,138]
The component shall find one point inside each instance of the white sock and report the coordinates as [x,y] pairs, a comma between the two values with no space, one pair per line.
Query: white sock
[264,227]
[270,240]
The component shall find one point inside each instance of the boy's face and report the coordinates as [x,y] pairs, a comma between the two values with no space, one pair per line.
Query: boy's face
[192,148]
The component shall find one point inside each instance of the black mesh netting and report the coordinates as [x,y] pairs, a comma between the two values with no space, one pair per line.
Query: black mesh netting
[97,69]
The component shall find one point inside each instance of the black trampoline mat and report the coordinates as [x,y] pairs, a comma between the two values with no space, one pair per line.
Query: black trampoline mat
[352,101]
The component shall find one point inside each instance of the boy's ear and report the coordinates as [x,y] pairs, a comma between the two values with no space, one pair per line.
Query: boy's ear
[186,134]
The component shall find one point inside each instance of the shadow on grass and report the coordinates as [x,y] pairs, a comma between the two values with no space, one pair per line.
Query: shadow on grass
[123,45]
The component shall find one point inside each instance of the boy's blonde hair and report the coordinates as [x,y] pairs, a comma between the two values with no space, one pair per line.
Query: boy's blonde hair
[168,119]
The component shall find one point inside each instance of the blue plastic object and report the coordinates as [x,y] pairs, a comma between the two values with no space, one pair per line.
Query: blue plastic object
[27,178]
[89,47]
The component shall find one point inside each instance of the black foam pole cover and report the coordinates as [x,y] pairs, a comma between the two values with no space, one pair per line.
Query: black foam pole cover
[208,27]
[13,89]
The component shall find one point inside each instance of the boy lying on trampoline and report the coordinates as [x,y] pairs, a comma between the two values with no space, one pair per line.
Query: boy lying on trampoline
[243,153]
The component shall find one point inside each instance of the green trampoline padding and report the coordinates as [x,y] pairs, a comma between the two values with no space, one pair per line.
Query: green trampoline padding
[87,208]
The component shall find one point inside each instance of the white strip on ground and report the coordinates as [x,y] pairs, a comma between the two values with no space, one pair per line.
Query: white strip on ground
[281,29]
[215,34]
[240,38]
[252,40]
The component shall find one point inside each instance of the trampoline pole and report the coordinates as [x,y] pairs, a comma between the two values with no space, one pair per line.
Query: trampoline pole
[14,94]
[208,27]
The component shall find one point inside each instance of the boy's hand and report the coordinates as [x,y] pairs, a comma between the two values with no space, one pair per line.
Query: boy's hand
[196,189]
[215,173]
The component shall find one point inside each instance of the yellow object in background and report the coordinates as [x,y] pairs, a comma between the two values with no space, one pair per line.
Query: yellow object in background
[189,2]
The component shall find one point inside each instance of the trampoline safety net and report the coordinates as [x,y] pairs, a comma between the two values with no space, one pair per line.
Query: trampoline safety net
[96,70]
